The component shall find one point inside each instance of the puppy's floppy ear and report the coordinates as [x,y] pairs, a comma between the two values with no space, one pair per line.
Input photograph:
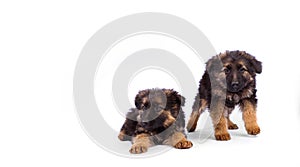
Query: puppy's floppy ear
[180,99]
[257,65]
[138,101]
[141,99]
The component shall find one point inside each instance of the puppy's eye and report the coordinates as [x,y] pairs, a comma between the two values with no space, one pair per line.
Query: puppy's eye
[242,69]
[226,70]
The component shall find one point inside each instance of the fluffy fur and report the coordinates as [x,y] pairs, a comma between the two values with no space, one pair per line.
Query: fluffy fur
[157,119]
[228,81]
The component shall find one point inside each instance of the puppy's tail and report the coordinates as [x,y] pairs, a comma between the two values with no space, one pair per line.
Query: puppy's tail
[199,107]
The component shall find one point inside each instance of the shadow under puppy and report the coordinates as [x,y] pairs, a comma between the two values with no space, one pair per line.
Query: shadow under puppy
[157,119]
[229,80]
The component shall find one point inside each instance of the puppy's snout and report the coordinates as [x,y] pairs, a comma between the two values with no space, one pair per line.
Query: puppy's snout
[235,85]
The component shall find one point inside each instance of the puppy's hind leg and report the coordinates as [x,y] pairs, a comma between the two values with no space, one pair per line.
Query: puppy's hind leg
[199,106]
[230,124]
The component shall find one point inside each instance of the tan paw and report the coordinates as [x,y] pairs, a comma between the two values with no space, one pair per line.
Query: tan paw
[253,130]
[138,148]
[222,136]
[184,144]
[121,136]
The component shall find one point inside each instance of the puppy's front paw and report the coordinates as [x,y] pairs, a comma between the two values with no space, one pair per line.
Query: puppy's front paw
[138,148]
[222,136]
[253,130]
[184,144]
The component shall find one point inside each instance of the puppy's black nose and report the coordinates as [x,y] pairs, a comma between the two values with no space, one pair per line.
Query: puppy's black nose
[235,85]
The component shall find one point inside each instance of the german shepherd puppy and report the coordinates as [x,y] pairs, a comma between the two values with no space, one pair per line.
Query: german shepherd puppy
[228,81]
[157,119]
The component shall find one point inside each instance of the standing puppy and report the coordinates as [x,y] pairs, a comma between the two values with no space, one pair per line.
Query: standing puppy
[157,119]
[228,81]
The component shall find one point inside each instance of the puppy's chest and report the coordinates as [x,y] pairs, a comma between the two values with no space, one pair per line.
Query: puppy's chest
[233,99]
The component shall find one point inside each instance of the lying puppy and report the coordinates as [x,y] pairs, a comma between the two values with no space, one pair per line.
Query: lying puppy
[230,80]
[157,119]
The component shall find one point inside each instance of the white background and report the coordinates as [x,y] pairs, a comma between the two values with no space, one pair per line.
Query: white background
[41,41]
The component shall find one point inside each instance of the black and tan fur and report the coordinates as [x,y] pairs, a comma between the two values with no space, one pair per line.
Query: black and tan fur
[228,81]
[157,119]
